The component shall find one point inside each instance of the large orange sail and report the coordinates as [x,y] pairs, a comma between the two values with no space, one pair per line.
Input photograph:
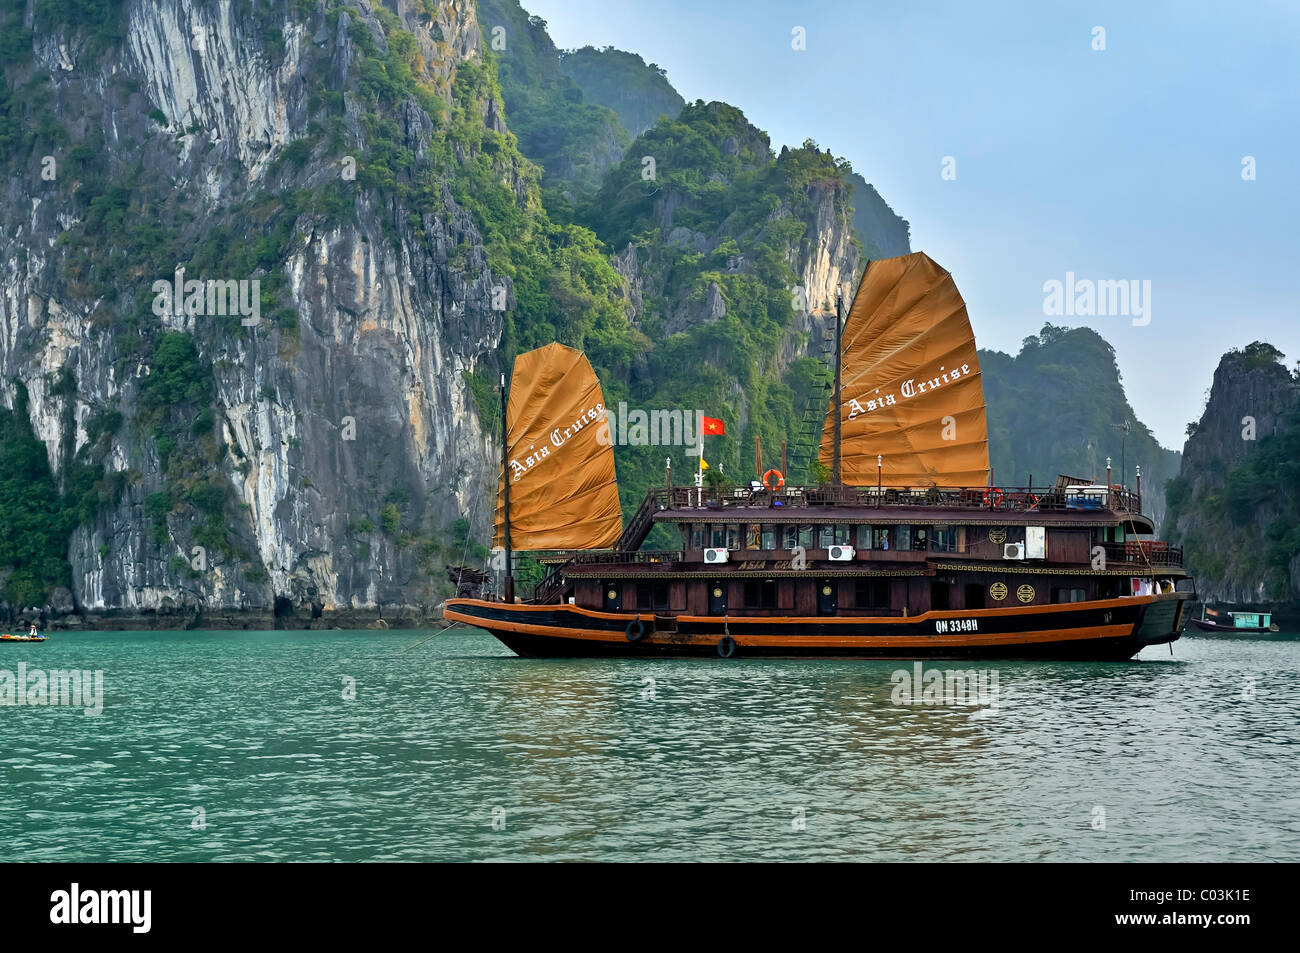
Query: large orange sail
[911,382]
[560,460]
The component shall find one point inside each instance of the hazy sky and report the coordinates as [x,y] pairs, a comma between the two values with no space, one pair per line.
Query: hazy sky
[1117,164]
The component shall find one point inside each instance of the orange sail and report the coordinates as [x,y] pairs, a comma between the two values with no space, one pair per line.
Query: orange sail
[560,460]
[911,382]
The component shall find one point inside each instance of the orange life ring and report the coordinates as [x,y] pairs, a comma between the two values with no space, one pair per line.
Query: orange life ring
[1034,504]
[995,494]
[780,480]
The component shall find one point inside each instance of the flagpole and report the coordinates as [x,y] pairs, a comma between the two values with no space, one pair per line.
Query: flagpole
[699,461]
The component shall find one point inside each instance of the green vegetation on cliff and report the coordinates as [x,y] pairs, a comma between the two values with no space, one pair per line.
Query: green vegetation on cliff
[572,140]
[715,227]
[622,81]
[1058,407]
[1235,505]
[36,519]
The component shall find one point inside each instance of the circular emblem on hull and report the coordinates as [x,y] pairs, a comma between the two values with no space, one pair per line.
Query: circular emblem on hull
[826,590]
[1025,593]
[998,591]
[717,593]
[998,535]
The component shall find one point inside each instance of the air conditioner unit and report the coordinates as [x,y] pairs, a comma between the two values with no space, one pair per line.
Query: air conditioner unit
[1013,550]
[715,555]
[841,554]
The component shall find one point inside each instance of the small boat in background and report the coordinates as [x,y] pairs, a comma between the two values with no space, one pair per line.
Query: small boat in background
[1241,623]
[32,636]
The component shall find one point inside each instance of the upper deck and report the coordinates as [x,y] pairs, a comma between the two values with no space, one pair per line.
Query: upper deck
[1061,504]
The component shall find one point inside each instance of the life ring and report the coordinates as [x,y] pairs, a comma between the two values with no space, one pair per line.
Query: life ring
[640,630]
[993,493]
[780,480]
[726,647]
[1034,502]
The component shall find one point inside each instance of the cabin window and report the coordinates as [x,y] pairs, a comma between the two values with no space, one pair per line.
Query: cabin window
[825,537]
[652,595]
[1062,594]
[699,536]
[871,593]
[883,538]
[807,537]
[790,537]
[843,535]
[903,537]
[864,537]
[733,537]
[760,593]
[753,536]
[769,537]
[919,539]
[943,540]
[717,536]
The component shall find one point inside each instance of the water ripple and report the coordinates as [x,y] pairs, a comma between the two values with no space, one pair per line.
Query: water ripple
[455,750]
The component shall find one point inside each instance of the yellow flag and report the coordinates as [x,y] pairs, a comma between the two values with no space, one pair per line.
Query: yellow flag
[703,464]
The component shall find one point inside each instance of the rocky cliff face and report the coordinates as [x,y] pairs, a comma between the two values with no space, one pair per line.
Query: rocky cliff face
[1059,406]
[258,275]
[1235,501]
[638,92]
[345,432]
[880,229]
[575,139]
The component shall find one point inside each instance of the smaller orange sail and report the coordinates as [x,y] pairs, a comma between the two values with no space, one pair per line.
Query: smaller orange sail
[560,459]
[912,392]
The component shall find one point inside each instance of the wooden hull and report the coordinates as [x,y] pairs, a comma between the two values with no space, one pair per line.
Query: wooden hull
[1102,630]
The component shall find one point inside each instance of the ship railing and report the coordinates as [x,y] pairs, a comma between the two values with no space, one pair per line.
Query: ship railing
[640,557]
[1144,552]
[555,580]
[1027,499]
[550,587]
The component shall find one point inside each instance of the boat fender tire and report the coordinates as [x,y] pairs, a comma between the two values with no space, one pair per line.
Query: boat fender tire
[635,630]
[726,647]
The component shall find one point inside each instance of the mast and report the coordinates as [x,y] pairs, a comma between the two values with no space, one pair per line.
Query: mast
[508,587]
[839,362]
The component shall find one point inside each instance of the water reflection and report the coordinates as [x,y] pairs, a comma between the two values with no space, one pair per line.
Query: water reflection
[650,759]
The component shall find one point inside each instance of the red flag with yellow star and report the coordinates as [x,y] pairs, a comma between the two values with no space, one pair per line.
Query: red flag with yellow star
[712,427]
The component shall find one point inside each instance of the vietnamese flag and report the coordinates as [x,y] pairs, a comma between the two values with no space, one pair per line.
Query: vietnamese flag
[712,427]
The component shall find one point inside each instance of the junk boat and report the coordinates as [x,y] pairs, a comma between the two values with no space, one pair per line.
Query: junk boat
[908,551]
[1234,622]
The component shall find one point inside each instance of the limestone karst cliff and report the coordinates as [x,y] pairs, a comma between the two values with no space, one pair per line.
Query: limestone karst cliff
[359,245]
[1235,506]
[315,152]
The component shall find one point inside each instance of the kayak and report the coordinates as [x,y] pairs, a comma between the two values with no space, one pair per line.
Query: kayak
[21,638]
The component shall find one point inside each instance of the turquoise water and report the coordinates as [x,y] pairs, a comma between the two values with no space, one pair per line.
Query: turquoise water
[641,759]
